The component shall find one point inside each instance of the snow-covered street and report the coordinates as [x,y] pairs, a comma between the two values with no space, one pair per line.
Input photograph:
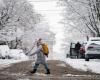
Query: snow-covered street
[59,71]
[62,35]
[79,64]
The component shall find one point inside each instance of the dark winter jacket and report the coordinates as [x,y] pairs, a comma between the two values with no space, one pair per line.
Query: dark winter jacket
[77,46]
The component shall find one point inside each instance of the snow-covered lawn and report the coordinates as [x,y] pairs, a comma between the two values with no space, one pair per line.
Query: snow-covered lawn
[93,65]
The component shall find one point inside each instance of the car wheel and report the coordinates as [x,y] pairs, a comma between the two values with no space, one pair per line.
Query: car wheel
[86,59]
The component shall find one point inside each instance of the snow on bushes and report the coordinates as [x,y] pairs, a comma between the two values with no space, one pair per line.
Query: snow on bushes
[6,53]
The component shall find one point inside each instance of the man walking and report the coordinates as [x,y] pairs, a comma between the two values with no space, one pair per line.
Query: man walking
[40,57]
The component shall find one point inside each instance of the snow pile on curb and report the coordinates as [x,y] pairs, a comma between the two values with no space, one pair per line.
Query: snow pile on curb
[9,56]
[81,64]
[16,54]
[4,50]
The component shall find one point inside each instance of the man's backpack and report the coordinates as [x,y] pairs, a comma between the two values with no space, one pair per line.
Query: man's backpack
[45,49]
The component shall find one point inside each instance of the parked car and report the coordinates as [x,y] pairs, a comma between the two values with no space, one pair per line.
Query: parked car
[92,49]
[73,54]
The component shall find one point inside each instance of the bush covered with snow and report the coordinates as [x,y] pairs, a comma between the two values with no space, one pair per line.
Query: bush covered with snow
[4,50]
[17,54]
[6,53]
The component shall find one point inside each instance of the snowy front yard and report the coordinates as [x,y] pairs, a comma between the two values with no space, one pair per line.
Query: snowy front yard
[16,55]
[80,64]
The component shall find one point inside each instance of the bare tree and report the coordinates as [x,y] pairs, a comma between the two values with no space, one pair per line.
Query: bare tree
[86,14]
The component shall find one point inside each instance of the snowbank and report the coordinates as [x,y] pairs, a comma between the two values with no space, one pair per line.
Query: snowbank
[5,52]
[18,54]
[81,64]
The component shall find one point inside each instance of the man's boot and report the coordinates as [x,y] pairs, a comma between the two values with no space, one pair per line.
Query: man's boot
[34,71]
[48,71]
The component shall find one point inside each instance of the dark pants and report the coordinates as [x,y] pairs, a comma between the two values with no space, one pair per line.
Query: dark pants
[77,53]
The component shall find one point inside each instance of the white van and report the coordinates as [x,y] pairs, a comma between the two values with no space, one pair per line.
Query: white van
[92,48]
